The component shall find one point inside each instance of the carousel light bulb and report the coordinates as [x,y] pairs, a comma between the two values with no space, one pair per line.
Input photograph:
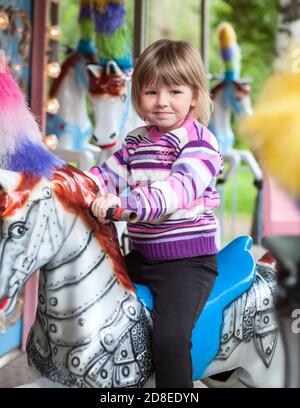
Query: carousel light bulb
[53,69]
[52,106]
[54,33]
[51,141]
[17,67]
[4,20]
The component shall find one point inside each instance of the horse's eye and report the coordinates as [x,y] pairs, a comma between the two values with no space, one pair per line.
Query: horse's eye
[17,230]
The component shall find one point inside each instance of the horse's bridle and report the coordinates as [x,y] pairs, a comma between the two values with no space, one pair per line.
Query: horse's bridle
[25,261]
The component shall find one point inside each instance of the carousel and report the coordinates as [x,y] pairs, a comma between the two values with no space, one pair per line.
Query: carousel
[65,297]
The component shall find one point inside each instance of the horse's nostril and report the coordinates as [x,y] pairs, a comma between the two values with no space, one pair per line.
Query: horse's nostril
[94,138]
[113,135]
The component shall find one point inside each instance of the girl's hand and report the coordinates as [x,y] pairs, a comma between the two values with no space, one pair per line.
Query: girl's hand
[102,204]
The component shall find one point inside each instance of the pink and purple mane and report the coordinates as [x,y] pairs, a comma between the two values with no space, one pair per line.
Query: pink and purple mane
[21,144]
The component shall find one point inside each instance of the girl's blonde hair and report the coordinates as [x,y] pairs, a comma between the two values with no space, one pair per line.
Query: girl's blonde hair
[168,63]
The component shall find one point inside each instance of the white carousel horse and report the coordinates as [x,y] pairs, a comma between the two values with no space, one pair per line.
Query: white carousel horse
[92,328]
[114,114]
[232,96]
[71,124]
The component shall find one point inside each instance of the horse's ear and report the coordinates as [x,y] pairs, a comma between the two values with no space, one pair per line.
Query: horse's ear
[214,77]
[94,70]
[112,68]
[9,180]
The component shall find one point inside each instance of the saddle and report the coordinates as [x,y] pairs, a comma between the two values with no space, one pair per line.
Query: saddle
[236,274]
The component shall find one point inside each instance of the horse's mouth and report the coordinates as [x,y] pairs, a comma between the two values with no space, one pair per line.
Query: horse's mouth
[108,146]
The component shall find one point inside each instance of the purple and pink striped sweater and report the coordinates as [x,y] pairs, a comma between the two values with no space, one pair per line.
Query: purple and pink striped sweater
[171,178]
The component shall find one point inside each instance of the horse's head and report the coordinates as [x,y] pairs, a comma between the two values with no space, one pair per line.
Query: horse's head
[36,216]
[109,93]
[234,95]
[31,231]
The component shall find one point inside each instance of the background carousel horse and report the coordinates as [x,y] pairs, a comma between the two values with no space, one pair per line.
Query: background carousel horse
[273,132]
[92,328]
[72,124]
[110,95]
[231,95]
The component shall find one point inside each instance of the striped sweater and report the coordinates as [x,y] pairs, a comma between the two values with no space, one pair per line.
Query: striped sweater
[171,179]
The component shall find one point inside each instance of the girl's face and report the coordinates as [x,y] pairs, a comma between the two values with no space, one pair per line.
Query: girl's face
[166,106]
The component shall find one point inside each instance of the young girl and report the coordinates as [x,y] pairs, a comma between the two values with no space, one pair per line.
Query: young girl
[170,166]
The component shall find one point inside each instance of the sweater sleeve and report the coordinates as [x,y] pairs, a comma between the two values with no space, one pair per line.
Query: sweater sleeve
[114,174]
[194,170]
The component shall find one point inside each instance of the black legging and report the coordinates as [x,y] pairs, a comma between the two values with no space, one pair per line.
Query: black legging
[181,288]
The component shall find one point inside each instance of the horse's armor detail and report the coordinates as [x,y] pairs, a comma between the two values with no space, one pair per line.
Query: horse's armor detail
[257,319]
[119,356]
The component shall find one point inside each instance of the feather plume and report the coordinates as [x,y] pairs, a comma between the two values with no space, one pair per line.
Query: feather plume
[21,142]
[274,130]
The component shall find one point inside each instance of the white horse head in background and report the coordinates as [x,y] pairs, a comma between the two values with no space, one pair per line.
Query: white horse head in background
[110,95]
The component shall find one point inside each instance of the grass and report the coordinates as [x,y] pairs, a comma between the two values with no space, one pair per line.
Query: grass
[242,184]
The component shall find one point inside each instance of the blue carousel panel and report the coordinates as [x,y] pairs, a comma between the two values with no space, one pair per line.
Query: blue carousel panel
[11,337]
[16,39]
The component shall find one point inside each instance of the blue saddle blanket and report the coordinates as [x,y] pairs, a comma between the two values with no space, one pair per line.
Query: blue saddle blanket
[236,274]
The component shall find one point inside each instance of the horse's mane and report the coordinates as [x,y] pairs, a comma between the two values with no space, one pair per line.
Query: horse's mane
[240,85]
[69,63]
[12,201]
[217,88]
[76,190]
[113,85]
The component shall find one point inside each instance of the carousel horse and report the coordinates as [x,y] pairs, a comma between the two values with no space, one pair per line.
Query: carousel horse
[71,124]
[115,116]
[231,95]
[93,326]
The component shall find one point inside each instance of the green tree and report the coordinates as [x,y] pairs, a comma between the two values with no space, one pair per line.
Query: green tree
[69,13]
